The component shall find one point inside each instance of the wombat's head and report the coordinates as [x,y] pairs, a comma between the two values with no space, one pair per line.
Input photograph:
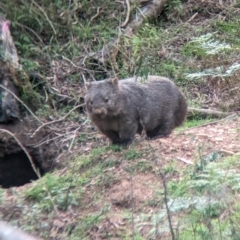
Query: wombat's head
[102,98]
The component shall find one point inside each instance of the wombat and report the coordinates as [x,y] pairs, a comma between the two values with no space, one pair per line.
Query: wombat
[122,108]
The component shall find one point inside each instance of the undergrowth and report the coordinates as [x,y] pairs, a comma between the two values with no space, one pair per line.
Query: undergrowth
[57,39]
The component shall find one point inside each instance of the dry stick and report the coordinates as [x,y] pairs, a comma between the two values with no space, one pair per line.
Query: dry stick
[166,204]
[73,139]
[84,79]
[94,16]
[26,27]
[48,140]
[35,169]
[1,86]
[58,120]
[45,14]
[128,14]
[132,198]
[165,201]
[210,123]
[192,17]
[185,160]
[208,112]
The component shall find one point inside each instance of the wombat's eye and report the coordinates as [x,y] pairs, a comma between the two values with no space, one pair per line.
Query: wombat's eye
[106,100]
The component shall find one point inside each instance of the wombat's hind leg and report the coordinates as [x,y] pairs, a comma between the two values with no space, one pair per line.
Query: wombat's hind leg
[162,130]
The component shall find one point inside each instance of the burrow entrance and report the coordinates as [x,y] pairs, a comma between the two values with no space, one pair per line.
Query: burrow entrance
[15,166]
[16,169]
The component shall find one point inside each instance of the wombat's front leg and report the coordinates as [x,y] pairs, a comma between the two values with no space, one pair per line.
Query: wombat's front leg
[127,132]
[113,136]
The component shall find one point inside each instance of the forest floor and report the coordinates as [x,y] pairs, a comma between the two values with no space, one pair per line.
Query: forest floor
[118,193]
[185,186]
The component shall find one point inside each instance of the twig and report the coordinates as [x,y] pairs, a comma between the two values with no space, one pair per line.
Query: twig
[28,28]
[132,199]
[192,17]
[48,140]
[167,208]
[84,79]
[210,123]
[35,169]
[73,139]
[44,13]
[184,160]
[58,120]
[1,86]
[94,16]
[128,14]
[208,112]
[226,152]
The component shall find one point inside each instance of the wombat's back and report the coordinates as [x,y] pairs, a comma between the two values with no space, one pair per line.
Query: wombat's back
[161,105]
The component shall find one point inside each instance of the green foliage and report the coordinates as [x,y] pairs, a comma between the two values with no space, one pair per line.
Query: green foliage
[145,45]
[197,121]
[174,10]
[229,30]
[132,154]
[169,169]
[1,195]
[178,189]
[55,190]
[115,148]
[193,49]
[85,224]
[203,195]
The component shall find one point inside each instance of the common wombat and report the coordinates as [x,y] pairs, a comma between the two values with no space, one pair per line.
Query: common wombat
[120,109]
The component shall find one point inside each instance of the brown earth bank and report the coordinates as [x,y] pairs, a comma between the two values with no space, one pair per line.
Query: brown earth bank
[138,192]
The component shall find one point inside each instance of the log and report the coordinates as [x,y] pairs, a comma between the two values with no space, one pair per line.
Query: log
[192,112]
[150,10]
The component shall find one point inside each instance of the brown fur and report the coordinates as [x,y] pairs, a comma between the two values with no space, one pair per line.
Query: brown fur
[120,109]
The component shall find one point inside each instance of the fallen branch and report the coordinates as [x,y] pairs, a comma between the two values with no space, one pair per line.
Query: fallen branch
[150,11]
[166,205]
[55,121]
[14,95]
[207,113]
[184,160]
[213,122]
[128,14]
[35,169]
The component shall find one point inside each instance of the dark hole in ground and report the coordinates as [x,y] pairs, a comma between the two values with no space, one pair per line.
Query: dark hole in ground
[16,170]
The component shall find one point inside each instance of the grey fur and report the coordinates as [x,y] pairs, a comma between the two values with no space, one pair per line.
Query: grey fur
[120,109]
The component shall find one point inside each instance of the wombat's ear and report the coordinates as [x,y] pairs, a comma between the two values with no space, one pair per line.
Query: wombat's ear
[87,85]
[114,81]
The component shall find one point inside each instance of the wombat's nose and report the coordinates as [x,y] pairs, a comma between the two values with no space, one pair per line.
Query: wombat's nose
[100,112]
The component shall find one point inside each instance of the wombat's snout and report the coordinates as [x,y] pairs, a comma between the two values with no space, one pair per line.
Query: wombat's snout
[100,112]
